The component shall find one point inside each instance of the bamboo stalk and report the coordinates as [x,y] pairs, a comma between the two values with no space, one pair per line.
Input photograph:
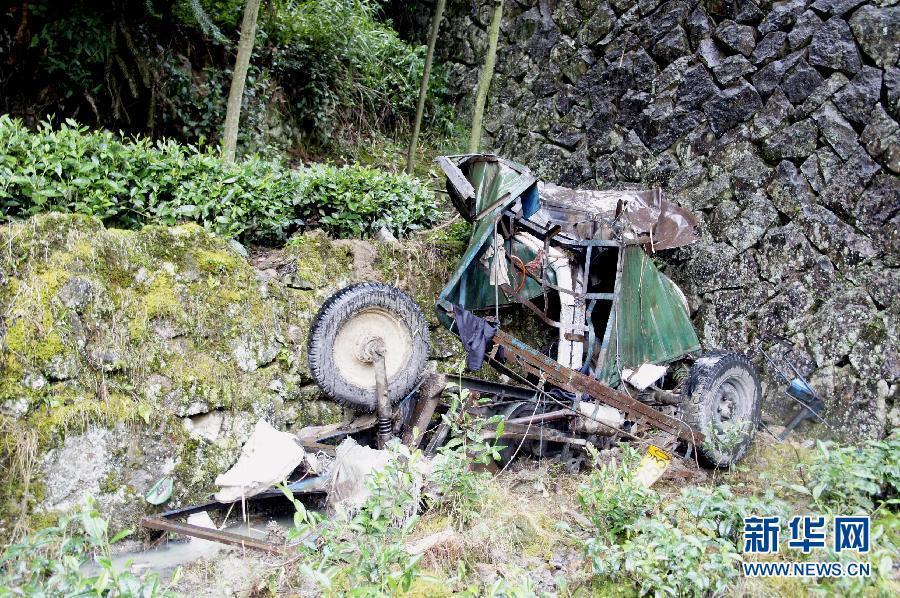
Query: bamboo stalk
[484,81]
[423,88]
[238,79]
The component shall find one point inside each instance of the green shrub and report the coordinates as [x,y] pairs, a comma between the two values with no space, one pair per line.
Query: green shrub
[71,558]
[347,72]
[611,497]
[329,72]
[461,489]
[846,479]
[688,547]
[366,556]
[135,182]
[720,512]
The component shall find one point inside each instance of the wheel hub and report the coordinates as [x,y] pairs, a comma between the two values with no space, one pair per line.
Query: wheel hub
[365,334]
[733,401]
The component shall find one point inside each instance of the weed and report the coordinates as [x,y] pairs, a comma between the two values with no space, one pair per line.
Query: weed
[612,499]
[366,555]
[727,437]
[692,545]
[462,489]
[72,558]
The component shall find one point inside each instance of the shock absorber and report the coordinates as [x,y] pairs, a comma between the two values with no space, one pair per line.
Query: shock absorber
[372,350]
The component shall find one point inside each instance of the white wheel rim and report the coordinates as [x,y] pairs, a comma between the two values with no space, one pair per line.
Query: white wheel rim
[360,329]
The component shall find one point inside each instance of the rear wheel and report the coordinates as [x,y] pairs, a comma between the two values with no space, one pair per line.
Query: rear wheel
[722,399]
[343,329]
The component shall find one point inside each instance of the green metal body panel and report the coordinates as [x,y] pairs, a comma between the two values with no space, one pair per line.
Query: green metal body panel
[490,180]
[496,187]
[652,324]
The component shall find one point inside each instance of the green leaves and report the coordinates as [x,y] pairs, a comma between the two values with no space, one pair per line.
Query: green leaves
[366,554]
[851,479]
[73,559]
[131,183]
[345,72]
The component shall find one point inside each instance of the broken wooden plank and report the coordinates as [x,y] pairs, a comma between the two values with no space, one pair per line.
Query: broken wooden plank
[214,535]
[456,178]
[316,434]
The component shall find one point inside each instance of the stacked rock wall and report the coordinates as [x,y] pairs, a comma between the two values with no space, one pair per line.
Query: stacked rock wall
[128,356]
[775,122]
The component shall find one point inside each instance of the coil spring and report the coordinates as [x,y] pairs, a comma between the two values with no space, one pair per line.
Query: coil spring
[680,374]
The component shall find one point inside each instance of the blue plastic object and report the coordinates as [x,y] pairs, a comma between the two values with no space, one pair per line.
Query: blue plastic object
[801,390]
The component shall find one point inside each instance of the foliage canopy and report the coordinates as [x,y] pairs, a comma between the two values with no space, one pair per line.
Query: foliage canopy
[129,183]
[324,73]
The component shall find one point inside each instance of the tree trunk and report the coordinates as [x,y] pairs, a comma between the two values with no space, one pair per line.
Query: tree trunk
[423,89]
[484,81]
[236,93]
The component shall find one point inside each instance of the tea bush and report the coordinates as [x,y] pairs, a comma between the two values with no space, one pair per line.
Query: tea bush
[72,558]
[690,547]
[846,479]
[135,182]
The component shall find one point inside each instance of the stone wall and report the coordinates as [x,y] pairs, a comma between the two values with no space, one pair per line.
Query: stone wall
[775,122]
[127,356]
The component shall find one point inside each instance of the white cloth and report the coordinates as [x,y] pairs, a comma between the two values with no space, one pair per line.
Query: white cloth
[494,259]
[352,464]
[268,457]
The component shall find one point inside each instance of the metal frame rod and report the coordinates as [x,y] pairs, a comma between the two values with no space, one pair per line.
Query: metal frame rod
[383,403]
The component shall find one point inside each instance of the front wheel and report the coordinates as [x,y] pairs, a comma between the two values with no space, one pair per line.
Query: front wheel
[722,398]
[345,326]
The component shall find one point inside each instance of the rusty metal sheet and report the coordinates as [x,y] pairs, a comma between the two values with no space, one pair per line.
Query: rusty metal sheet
[587,214]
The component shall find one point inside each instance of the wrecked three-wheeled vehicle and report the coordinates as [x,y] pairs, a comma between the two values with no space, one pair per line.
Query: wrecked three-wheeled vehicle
[624,362]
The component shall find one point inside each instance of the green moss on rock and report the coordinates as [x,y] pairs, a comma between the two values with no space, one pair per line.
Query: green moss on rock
[160,325]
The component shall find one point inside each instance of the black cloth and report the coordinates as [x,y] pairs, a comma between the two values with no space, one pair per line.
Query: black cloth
[476,335]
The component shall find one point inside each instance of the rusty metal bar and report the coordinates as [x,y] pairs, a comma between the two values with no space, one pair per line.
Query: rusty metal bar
[533,433]
[426,404]
[205,533]
[542,417]
[573,381]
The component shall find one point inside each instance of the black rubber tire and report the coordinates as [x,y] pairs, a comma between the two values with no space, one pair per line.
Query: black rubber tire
[338,310]
[722,388]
